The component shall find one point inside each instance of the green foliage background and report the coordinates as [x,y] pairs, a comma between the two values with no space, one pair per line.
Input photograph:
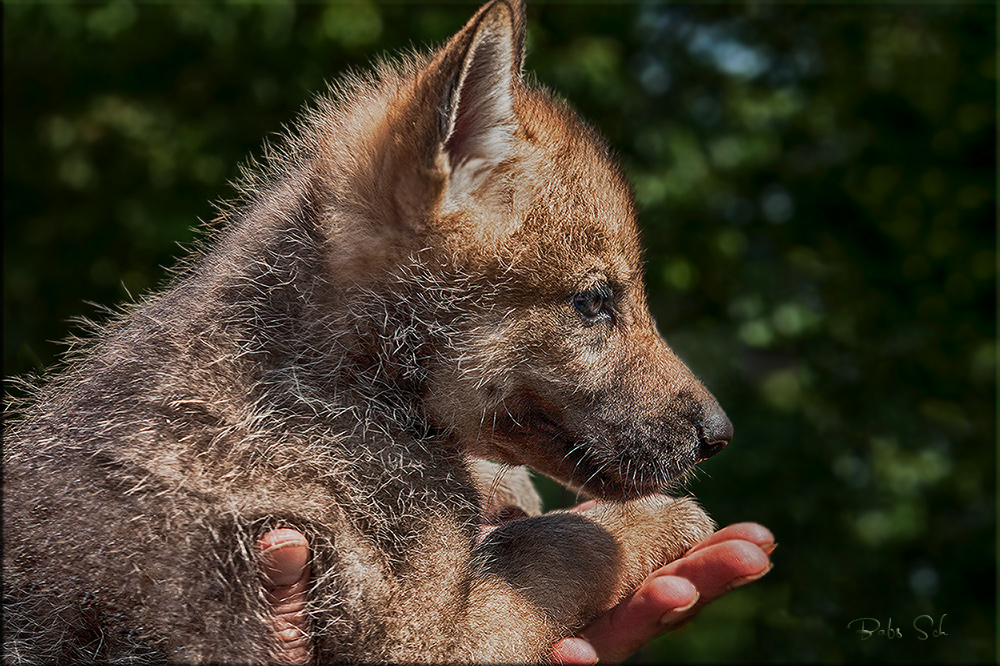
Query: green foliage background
[817,187]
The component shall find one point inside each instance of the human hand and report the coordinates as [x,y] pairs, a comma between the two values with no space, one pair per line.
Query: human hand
[668,598]
[284,571]
[672,595]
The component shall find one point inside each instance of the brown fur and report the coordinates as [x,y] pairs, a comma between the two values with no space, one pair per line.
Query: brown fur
[442,265]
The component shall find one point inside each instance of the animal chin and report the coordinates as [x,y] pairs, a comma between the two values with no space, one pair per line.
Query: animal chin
[535,440]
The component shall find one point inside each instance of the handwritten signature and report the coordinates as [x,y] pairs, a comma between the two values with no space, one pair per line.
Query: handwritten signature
[924,625]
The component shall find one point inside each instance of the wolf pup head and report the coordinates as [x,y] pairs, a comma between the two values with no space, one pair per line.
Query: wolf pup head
[509,233]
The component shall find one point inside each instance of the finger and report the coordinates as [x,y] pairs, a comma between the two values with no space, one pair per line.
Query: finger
[718,568]
[285,571]
[752,532]
[715,570]
[589,504]
[638,618]
[573,652]
[284,556]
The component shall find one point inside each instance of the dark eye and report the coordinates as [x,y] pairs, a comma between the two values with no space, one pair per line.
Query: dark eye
[594,302]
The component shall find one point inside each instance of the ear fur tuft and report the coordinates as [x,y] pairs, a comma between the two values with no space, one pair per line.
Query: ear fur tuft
[478,107]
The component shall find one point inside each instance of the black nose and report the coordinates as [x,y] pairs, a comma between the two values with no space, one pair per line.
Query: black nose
[714,432]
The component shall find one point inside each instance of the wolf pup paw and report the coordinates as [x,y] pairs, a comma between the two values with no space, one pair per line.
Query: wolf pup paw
[652,532]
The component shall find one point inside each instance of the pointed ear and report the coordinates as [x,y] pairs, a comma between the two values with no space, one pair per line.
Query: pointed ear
[482,64]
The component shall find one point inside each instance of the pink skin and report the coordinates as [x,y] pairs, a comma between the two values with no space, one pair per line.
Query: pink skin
[672,595]
[284,570]
[668,599]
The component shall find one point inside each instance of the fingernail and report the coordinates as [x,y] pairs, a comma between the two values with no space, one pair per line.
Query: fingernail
[673,615]
[284,544]
[283,564]
[281,537]
[739,582]
[574,651]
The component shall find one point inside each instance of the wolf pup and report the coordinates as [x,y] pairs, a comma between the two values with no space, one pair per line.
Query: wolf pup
[442,265]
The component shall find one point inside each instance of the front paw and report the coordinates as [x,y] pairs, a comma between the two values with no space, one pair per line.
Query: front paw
[652,532]
[506,492]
